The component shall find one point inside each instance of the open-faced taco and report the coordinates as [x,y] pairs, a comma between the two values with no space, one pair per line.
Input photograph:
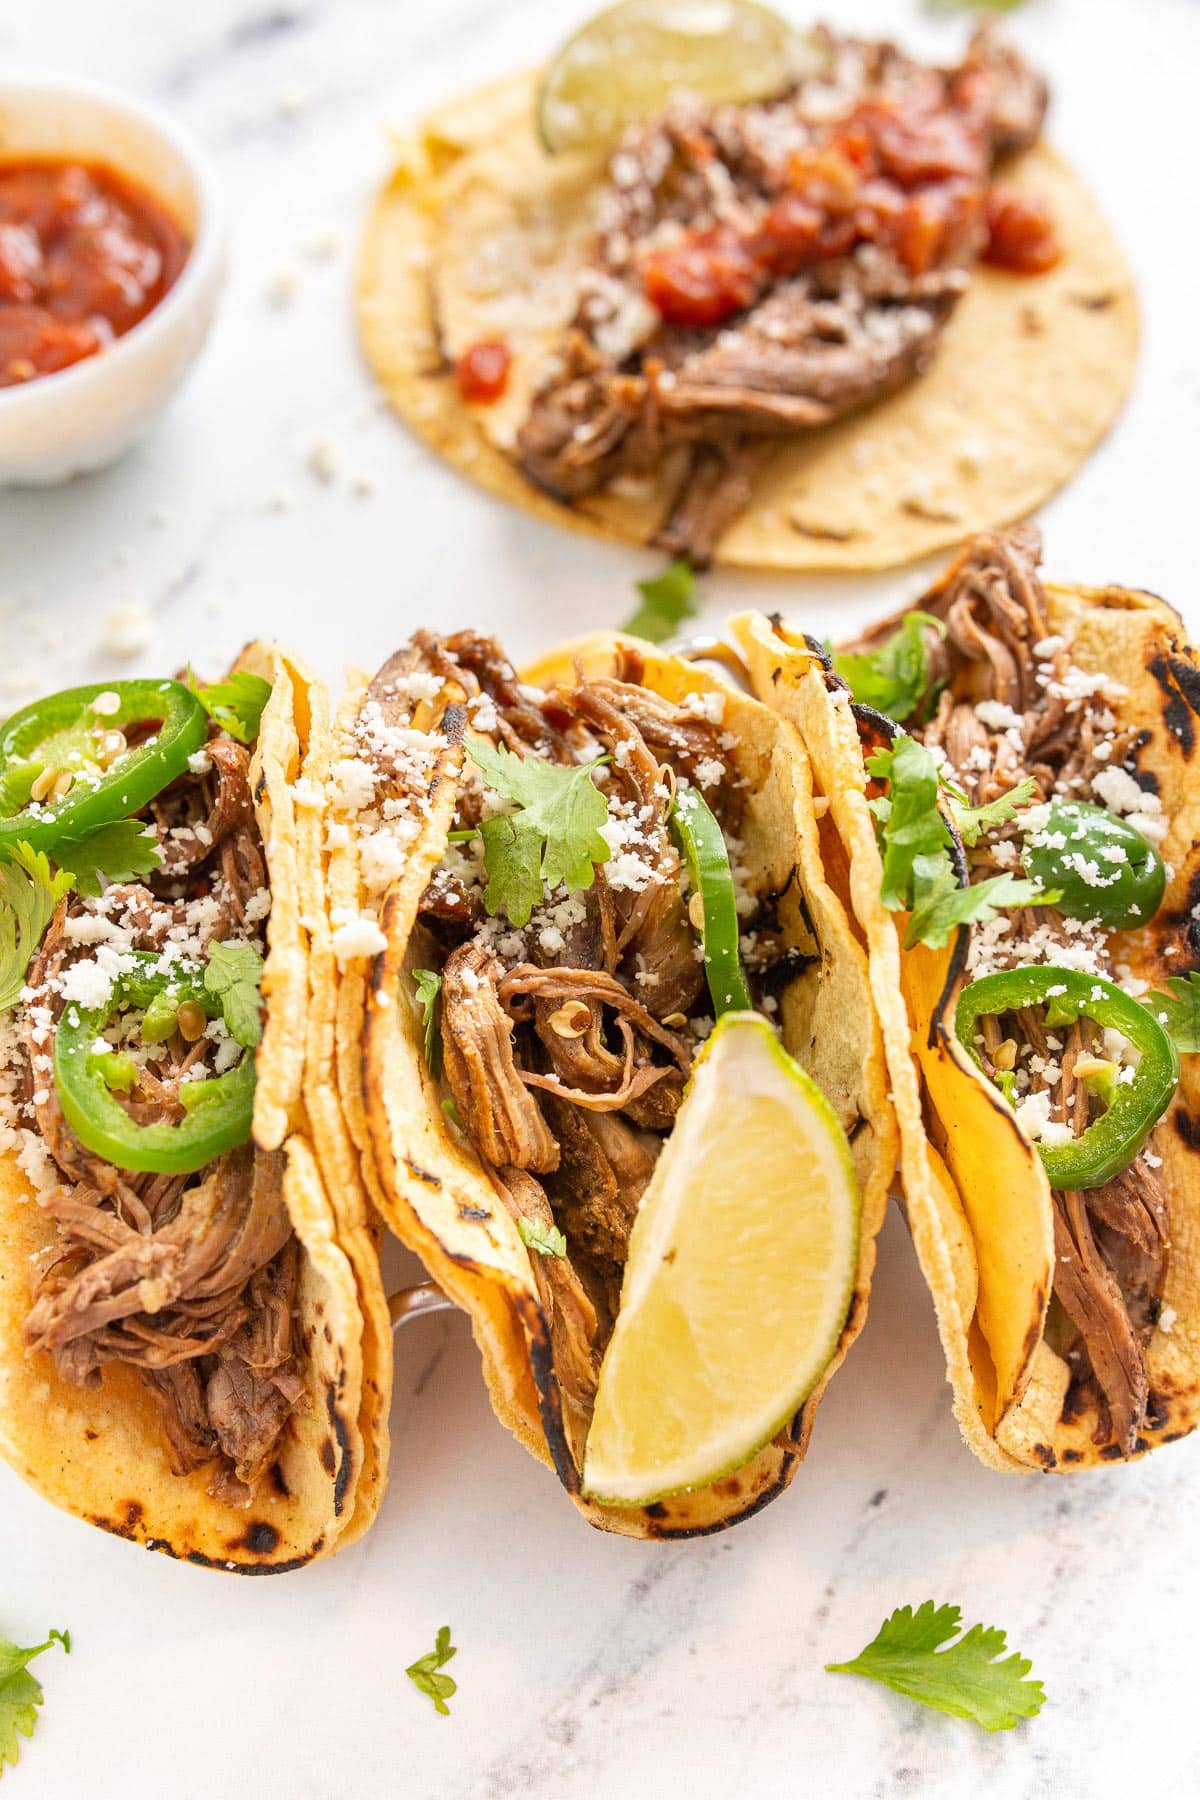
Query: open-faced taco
[1023,845]
[526,980]
[186,1356]
[834,326]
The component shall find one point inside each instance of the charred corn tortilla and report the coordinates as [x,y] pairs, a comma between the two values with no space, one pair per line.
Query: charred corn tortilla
[435,1192]
[100,1452]
[978,1200]
[478,233]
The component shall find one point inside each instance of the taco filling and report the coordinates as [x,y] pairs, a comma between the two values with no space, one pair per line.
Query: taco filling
[567,990]
[763,270]
[1051,1011]
[128,1052]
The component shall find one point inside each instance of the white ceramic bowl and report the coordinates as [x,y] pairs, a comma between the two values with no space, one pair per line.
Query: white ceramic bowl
[82,417]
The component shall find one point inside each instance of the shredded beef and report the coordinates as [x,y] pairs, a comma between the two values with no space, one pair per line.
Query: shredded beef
[806,348]
[190,1280]
[1112,1242]
[567,1044]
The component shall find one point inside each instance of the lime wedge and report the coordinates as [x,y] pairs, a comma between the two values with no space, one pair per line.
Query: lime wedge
[627,62]
[740,1275]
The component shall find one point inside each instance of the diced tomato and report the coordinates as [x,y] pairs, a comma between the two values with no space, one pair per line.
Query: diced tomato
[482,371]
[1021,232]
[703,278]
[33,342]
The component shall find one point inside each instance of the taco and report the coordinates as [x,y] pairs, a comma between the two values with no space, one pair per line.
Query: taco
[511,1063]
[836,328]
[185,1353]
[1024,861]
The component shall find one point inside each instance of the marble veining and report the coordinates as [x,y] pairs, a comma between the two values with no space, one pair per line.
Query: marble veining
[277,496]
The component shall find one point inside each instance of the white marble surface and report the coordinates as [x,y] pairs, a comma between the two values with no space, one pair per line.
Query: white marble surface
[587,1665]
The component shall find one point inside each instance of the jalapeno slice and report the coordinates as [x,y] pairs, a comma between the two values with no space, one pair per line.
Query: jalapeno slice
[1110,1143]
[219,1109]
[1102,868]
[703,844]
[63,772]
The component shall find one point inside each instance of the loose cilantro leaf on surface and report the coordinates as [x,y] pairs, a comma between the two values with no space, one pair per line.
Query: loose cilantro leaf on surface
[234,975]
[29,894]
[966,1680]
[974,822]
[553,840]
[548,1240]
[1181,1004]
[236,704]
[116,852]
[20,1694]
[429,986]
[424,1672]
[995,6]
[667,600]
[512,856]
[893,678]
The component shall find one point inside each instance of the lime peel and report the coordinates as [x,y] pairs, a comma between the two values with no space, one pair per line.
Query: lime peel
[741,1272]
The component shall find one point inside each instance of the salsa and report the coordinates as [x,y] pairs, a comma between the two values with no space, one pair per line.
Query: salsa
[85,254]
[907,173]
[1021,234]
[482,371]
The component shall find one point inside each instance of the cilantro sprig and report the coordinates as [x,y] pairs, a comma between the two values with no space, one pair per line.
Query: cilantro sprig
[20,1695]
[29,893]
[117,852]
[668,599]
[547,1240]
[918,870]
[892,679]
[233,976]
[424,1673]
[429,987]
[967,1680]
[552,838]
[235,704]
[1178,1011]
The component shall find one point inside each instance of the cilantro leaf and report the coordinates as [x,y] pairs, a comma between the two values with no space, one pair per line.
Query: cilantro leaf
[547,1240]
[966,1680]
[451,1112]
[974,822]
[911,824]
[424,1672]
[940,906]
[236,704]
[893,678]
[512,856]
[553,840]
[234,976]
[918,874]
[667,600]
[1182,1008]
[995,6]
[429,987]
[20,1694]
[116,852]
[29,894]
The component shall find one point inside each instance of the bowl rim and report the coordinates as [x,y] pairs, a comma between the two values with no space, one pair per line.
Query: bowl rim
[205,258]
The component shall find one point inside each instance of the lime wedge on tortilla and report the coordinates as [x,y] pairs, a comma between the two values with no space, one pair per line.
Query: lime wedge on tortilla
[627,62]
[740,1275]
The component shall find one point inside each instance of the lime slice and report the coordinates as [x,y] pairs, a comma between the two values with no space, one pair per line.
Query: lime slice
[740,1275]
[627,62]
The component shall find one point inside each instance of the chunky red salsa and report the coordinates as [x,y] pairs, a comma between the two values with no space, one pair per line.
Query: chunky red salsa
[85,254]
[1021,234]
[482,371]
[906,173]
